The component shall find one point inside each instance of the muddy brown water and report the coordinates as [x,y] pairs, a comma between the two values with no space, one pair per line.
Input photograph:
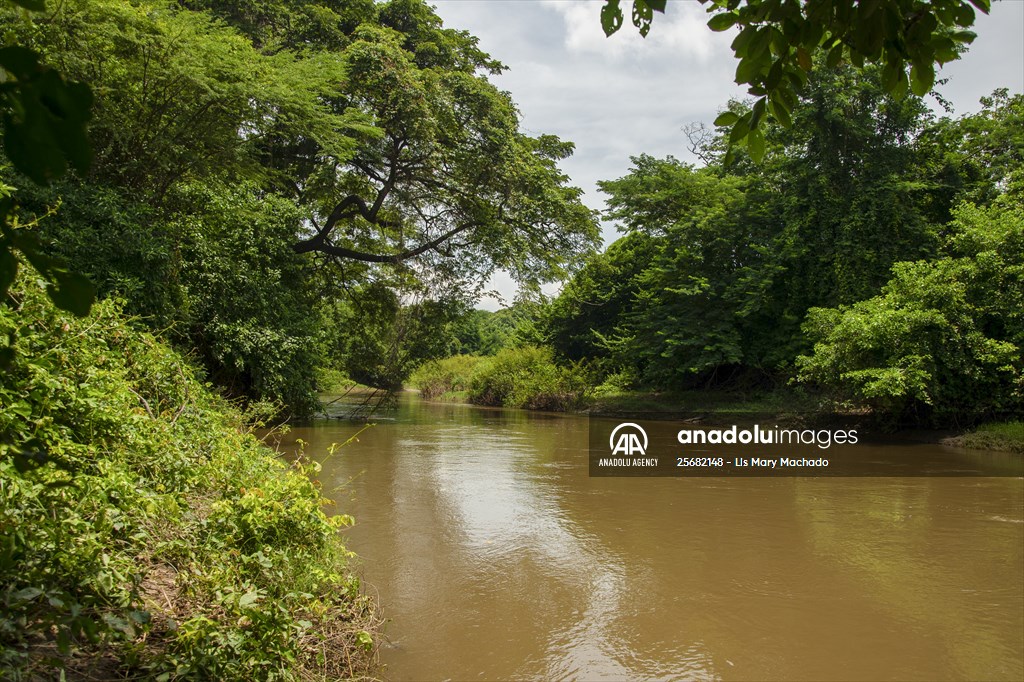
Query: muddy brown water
[496,557]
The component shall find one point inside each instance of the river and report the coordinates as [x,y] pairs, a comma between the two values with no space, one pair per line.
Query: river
[497,557]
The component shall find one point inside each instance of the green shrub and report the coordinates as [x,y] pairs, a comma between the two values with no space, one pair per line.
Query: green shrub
[437,378]
[528,377]
[144,532]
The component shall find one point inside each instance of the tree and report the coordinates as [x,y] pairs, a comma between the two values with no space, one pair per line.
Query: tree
[721,264]
[446,179]
[591,317]
[365,134]
[981,156]
[685,320]
[778,39]
[383,338]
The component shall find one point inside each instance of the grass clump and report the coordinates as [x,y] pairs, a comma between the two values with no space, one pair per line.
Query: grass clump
[528,377]
[1004,436]
[144,531]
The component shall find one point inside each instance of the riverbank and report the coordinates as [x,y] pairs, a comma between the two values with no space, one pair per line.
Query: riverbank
[783,406]
[145,531]
[1002,436]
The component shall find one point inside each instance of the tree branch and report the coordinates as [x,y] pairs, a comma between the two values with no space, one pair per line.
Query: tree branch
[321,245]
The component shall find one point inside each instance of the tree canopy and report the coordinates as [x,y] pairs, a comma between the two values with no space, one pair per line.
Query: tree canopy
[255,166]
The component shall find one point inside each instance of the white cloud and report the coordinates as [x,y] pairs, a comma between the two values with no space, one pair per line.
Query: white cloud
[682,31]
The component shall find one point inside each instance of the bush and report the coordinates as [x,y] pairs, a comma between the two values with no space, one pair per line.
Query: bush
[437,378]
[528,377]
[143,531]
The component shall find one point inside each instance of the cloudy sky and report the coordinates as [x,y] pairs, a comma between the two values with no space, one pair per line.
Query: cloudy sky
[625,95]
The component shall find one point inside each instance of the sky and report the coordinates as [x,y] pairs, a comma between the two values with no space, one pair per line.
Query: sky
[625,95]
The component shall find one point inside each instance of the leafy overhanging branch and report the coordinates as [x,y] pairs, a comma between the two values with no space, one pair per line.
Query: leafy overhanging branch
[777,39]
[44,133]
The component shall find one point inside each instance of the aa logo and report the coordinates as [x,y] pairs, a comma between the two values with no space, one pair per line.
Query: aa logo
[628,439]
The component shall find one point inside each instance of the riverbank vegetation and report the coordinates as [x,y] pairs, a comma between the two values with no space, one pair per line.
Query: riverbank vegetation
[1004,436]
[525,377]
[871,265]
[146,531]
[270,201]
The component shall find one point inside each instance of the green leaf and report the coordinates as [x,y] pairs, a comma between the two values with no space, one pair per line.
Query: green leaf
[922,78]
[31,5]
[44,122]
[611,17]
[748,69]
[726,118]
[965,15]
[775,74]
[26,594]
[755,145]
[20,61]
[739,130]
[835,55]
[642,16]
[984,5]
[740,42]
[803,58]
[890,75]
[72,292]
[945,50]
[779,112]
[723,22]
[657,5]
[760,46]
[965,37]
[901,85]
[757,112]
[249,598]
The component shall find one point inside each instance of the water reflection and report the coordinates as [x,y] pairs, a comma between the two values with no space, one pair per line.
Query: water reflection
[497,557]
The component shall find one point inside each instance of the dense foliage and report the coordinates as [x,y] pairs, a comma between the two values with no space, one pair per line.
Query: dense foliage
[850,257]
[525,376]
[943,339]
[256,167]
[142,530]
[528,377]
[447,378]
